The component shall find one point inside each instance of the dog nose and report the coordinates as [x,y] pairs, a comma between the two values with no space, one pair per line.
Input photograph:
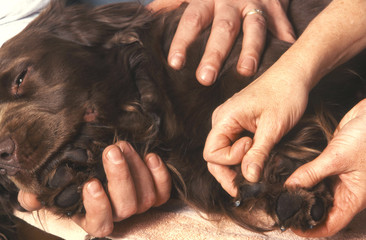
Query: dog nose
[8,161]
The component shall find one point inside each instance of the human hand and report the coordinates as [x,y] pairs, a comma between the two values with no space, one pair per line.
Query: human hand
[134,187]
[269,108]
[345,156]
[226,17]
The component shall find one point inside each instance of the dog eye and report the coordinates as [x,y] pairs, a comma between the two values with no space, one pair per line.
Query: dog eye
[19,80]
[21,77]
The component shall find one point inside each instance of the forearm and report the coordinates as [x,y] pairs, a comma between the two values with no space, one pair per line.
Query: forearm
[332,38]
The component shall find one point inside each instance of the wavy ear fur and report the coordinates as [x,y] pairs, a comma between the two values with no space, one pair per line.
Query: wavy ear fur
[115,30]
[119,32]
[91,26]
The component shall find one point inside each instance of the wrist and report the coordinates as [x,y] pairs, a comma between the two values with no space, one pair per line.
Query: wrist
[291,74]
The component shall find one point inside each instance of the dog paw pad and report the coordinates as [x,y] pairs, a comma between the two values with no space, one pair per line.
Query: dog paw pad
[287,206]
[317,210]
[62,176]
[68,197]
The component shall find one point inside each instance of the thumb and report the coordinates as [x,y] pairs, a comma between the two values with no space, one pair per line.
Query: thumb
[29,201]
[253,161]
[311,173]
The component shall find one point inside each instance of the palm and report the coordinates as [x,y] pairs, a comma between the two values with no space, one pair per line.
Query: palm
[345,157]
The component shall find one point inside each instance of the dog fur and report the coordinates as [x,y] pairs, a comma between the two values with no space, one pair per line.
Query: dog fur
[78,78]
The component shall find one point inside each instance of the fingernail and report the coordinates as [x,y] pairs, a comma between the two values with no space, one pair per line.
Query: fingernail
[94,189]
[247,146]
[207,75]
[153,162]
[177,61]
[253,172]
[114,155]
[249,64]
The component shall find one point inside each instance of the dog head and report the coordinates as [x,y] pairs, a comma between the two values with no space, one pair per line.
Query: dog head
[66,81]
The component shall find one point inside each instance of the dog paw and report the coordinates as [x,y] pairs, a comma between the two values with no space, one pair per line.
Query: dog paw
[62,182]
[301,208]
[288,208]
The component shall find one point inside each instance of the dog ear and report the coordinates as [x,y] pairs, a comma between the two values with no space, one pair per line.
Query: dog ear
[90,26]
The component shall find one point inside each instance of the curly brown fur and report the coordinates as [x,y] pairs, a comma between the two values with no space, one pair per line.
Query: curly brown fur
[77,78]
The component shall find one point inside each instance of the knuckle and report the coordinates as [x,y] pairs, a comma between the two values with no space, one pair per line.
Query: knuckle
[103,207]
[211,168]
[226,26]
[216,114]
[124,174]
[165,183]
[311,175]
[260,21]
[103,231]
[149,201]
[340,161]
[257,20]
[209,154]
[163,198]
[207,157]
[192,20]
[215,56]
[258,156]
[252,52]
[125,212]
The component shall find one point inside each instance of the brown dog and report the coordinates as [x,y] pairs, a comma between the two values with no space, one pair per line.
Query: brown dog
[77,78]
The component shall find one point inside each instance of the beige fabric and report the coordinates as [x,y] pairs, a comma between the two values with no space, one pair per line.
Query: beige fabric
[174,221]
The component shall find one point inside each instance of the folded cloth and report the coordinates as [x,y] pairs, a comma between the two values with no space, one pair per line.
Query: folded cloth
[175,220]
[16,14]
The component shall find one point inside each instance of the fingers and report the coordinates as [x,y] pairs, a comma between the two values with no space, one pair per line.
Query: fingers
[157,5]
[98,219]
[309,174]
[161,178]
[133,187]
[264,139]
[218,148]
[278,22]
[143,182]
[29,201]
[225,28]
[272,16]
[329,162]
[254,29]
[123,199]
[225,176]
[337,220]
[345,207]
[196,17]
[226,19]
[219,153]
